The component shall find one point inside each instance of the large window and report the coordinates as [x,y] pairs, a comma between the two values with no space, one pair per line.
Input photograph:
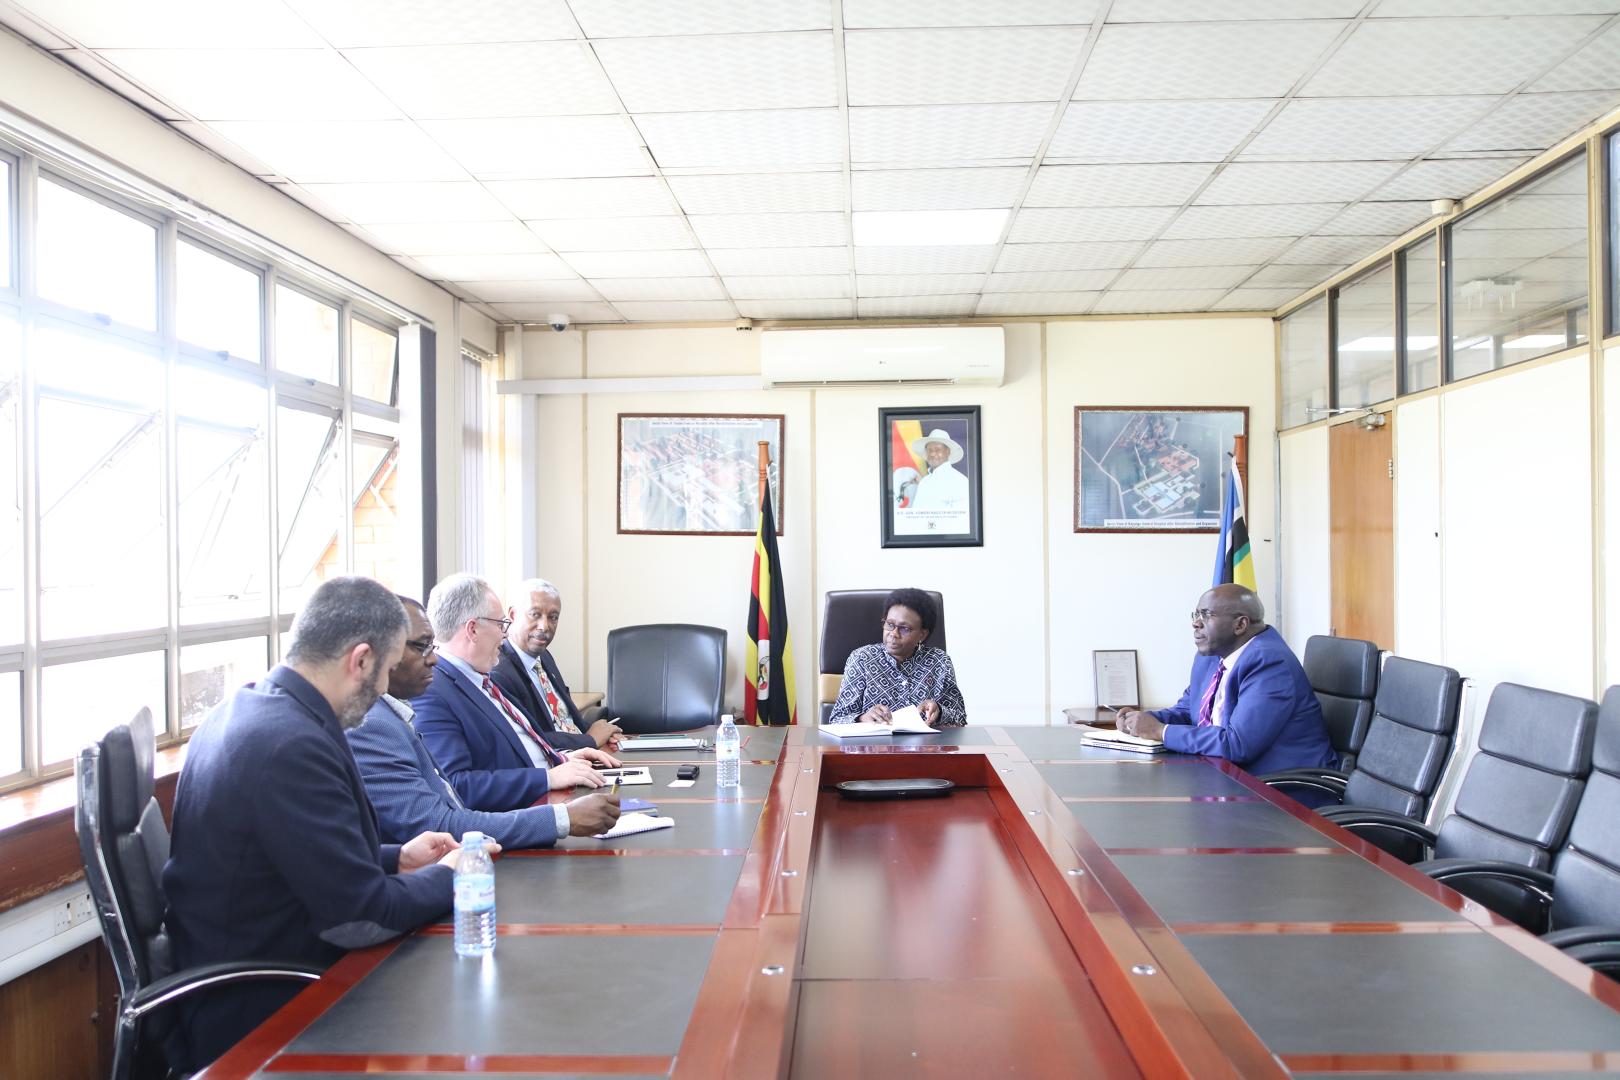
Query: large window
[1420,303]
[1304,364]
[1365,339]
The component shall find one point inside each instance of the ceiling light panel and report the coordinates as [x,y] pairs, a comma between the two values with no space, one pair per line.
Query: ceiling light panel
[1212,252]
[1051,281]
[615,234]
[1083,224]
[917,284]
[772,262]
[1293,277]
[1041,258]
[1199,61]
[508,292]
[927,228]
[252,84]
[668,18]
[971,259]
[640,264]
[903,13]
[1534,121]
[760,193]
[938,67]
[1363,129]
[1123,302]
[531,267]
[933,133]
[935,189]
[1182,277]
[531,78]
[1036,303]
[175,24]
[1595,66]
[457,238]
[579,311]
[1447,179]
[364,204]
[1154,130]
[1371,218]
[335,151]
[1234,222]
[770,230]
[608,196]
[537,148]
[789,286]
[740,141]
[920,307]
[361,23]
[1255,299]
[701,74]
[1481,56]
[1331,249]
[1130,11]
[679,311]
[1298,182]
[796,309]
[1116,185]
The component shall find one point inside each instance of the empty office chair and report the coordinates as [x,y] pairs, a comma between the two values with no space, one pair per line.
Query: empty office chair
[851,618]
[665,676]
[1344,674]
[1517,800]
[1403,756]
[124,844]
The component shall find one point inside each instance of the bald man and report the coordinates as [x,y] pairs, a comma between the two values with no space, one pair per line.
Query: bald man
[1248,699]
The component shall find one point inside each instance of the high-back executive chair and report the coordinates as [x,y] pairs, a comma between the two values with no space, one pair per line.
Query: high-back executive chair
[851,618]
[1344,674]
[665,677]
[124,844]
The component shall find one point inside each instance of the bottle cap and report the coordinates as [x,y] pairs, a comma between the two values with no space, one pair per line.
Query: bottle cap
[472,838]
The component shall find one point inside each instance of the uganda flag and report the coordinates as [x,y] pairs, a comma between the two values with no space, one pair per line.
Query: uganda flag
[1233,560]
[768,662]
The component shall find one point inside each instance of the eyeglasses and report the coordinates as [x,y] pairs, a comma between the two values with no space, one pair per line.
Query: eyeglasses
[426,648]
[1204,615]
[504,624]
[899,629]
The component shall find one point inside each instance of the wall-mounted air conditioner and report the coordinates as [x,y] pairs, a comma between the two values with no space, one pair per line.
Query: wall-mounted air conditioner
[884,356]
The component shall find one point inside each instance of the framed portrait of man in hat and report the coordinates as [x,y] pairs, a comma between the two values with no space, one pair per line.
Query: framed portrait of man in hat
[929,481]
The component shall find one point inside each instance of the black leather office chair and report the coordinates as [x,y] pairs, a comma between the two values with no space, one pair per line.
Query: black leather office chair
[124,844]
[851,618]
[1409,740]
[665,676]
[1344,674]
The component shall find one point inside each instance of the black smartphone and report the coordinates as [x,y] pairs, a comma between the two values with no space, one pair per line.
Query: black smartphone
[686,772]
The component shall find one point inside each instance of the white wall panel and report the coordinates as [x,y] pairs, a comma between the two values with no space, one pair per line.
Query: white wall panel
[1611,520]
[1418,550]
[1306,580]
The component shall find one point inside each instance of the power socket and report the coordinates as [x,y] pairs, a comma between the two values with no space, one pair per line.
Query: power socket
[71,912]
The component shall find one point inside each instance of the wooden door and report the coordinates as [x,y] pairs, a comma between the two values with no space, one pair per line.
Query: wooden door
[1361,473]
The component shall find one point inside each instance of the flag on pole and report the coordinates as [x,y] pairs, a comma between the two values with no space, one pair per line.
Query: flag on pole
[768,697]
[1233,560]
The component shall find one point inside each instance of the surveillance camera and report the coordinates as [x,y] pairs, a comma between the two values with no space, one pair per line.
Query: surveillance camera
[558,323]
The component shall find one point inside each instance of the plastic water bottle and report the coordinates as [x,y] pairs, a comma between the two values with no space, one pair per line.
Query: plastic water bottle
[727,754]
[475,898]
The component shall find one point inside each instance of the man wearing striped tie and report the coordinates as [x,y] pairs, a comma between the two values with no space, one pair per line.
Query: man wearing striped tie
[528,675]
[1248,699]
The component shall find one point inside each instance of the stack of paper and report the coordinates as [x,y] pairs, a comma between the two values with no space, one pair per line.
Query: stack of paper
[1118,740]
[630,824]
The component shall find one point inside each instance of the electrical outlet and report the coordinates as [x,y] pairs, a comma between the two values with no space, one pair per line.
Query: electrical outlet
[62,917]
[83,909]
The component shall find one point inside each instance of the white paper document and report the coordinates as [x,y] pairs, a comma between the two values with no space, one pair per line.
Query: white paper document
[630,824]
[627,776]
[1118,740]
[906,721]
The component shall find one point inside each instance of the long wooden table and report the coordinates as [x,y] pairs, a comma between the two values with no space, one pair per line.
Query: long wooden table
[1068,910]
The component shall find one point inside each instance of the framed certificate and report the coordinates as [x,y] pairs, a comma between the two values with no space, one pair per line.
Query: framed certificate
[1115,672]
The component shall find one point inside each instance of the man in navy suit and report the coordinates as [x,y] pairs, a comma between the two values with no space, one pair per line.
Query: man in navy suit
[410,793]
[493,754]
[1248,699]
[527,674]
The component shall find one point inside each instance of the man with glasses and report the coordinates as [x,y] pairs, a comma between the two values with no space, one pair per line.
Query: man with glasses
[409,792]
[529,677]
[1248,700]
[493,754]
[901,670]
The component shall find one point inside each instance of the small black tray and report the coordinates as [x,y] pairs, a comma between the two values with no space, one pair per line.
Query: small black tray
[918,788]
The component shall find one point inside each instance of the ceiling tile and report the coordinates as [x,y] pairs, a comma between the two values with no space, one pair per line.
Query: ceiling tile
[972,259]
[640,264]
[678,288]
[781,261]
[1363,129]
[541,147]
[615,234]
[531,78]
[744,140]
[443,201]
[1243,251]
[1182,277]
[532,267]
[252,84]
[1036,303]
[921,307]
[1393,57]
[796,309]
[916,284]
[1199,61]
[1331,249]
[1595,66]
[901,13]
[1155,130]
[931,133]
[1051,281]
[760,193]
[1068,224]
[1116,185]
[1117,302]
[315,151]
[771,230]
[351,23]
[678,311]
[1129,11]
[175,24]
[1447,179]
[1372,218]
[939,67]
[457,238]
[1239,222]
[1293,277]
[661,18]
[701,74]
[607,196]
[508,292]
[1019,258]
[935,189]
[579,311]
[1535,121]
[1405,9]
[1254,299]
[789,286]
[1283,182]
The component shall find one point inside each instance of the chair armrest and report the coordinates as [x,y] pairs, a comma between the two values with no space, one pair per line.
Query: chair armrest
[1370,824]
[590,715]
[1583,935]
[1329,781]
[1532,880]
[1519,892]
[172,988]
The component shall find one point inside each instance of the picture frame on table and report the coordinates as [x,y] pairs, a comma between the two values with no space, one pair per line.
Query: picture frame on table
[930,477]
[1152,469]
[697,474]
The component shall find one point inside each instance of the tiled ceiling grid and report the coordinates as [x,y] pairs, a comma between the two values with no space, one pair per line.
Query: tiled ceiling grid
[678,160]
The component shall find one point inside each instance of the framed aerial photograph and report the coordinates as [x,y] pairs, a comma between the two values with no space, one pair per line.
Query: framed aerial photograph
[1154,470]
[929,477]
[696,474]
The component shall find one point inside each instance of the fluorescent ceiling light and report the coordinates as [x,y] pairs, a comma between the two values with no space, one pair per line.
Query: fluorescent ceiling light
[927,228]
[1536,341]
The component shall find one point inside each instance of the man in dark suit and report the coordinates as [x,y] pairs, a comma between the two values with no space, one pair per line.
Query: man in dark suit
[527,673]
[275,850]
[1248,699]
[493,754]
[410,793]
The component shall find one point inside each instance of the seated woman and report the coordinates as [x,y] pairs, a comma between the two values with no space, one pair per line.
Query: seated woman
[903,670]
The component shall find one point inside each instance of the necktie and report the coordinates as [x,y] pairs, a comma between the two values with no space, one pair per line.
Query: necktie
[521,721]
[559,714]
[1206,707]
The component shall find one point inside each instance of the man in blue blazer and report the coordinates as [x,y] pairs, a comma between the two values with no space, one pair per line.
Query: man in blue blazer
[412,796]
[527,673]
[1248,699]
[493,754]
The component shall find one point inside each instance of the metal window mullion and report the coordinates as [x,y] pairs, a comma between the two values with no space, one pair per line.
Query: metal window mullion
[1398,288]
[168,329]
[1442,298]
[1333,350]
[28,434]
[346,436]
[267,326]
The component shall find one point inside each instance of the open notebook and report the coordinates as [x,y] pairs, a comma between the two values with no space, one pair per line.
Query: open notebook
[906,721]
[1118,740]
[630,824]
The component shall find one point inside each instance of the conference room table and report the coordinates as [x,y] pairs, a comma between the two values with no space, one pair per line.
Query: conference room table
[1066,910]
